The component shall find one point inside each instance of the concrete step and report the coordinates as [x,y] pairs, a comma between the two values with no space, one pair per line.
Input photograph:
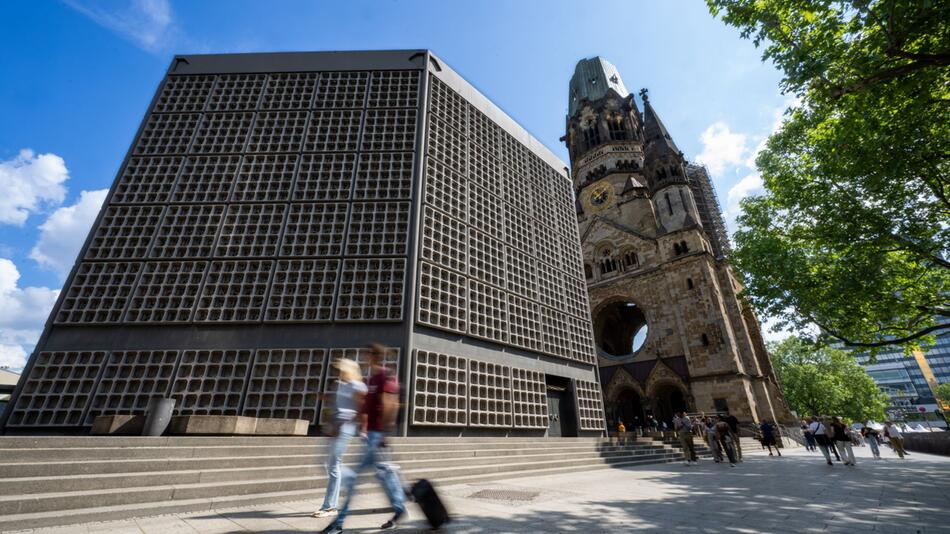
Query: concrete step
[67,500]
[30,520]
[14,455]
[86,442]
[52,466]
[288,468]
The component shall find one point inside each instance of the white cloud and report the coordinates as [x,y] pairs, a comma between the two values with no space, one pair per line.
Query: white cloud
[63,233]
[23,312]
[722,148]
[147,23]
[28,182]
[750,185]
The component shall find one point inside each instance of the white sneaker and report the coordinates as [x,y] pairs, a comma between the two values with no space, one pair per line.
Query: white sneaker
[325,512]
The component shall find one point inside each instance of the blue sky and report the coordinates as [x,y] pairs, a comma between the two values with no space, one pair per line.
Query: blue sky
[79,74]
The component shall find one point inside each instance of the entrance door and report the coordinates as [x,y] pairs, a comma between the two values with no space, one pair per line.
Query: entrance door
[554,413]
[562,421]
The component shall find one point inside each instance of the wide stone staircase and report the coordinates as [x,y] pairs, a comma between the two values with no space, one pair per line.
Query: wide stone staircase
[52,481]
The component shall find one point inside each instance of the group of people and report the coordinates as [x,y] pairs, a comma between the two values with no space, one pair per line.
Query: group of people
[366,410]
[721,435]
[837,438]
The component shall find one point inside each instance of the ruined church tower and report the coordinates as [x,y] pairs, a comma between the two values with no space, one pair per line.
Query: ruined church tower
[671,332]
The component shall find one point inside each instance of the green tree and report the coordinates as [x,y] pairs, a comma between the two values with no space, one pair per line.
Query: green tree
[852,233]
[820,380]
[943,392]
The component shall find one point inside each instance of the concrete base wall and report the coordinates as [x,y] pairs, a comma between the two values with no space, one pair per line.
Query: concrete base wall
[929,442]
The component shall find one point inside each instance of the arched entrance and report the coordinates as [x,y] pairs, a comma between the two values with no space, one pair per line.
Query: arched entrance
[620,329]
[667,400]
[629,409]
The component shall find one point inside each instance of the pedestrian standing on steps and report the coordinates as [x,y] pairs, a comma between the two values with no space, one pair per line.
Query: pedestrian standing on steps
[870,437]
[343,426]
[768,437]
[843,440]
[822,438]
[379,416]
[684,431]
[724,435]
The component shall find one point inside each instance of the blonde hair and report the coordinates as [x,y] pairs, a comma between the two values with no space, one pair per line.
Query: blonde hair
[349,370]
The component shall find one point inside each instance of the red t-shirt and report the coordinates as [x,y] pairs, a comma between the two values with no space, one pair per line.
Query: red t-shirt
[381,382]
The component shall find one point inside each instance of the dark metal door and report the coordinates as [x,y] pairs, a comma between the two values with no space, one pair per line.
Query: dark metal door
[554,413]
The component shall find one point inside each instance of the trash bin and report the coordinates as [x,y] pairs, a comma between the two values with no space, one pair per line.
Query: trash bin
[158,415]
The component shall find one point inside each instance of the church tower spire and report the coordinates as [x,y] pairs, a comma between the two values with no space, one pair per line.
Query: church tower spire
[654,131]
[653,266]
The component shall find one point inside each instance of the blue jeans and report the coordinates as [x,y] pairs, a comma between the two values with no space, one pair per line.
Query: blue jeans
[334,465]
[872,442]
[385,472]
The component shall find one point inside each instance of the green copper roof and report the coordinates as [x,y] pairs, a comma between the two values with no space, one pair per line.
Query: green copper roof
[592,78]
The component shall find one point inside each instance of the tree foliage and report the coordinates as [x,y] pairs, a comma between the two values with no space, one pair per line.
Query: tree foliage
[820,380]
[943,392]
[852,233]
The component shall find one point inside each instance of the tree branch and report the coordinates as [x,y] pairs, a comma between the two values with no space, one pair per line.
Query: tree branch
[896,341]
[838,91]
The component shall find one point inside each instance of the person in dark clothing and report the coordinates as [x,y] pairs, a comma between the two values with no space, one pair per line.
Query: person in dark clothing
[842,440]
[734,433]
[810,444]
[768,437]
[723,435]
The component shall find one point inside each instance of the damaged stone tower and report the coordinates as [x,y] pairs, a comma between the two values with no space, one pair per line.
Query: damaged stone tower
[671,332]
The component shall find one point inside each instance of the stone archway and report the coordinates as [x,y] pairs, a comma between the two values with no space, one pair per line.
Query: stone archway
[624,400]
[667,393]
[667,399]
[629,408]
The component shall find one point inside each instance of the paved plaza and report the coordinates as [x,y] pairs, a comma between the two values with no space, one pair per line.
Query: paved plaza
[794,493]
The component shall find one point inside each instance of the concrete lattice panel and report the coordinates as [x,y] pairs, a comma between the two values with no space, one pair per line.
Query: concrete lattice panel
[58,389]
[258,212]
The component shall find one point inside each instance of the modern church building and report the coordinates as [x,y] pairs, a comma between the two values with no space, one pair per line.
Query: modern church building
[277,211]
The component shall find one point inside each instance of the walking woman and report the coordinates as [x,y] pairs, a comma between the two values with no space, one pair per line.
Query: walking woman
[348,400]
[843,440]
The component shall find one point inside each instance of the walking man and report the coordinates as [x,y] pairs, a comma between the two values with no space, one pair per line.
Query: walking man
[379,416]
[724,435]
[712,440]
[897,439]
[684,431]
[821,437]
[870,437]
[348,400]
[768,437]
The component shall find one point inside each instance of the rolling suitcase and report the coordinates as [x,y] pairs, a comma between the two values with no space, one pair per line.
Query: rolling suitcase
[424,494]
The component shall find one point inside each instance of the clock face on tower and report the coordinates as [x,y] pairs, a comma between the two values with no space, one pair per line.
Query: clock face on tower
[599,195]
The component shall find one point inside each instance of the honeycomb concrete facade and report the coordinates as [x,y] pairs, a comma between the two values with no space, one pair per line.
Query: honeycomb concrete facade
[277,211]
[671,330]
